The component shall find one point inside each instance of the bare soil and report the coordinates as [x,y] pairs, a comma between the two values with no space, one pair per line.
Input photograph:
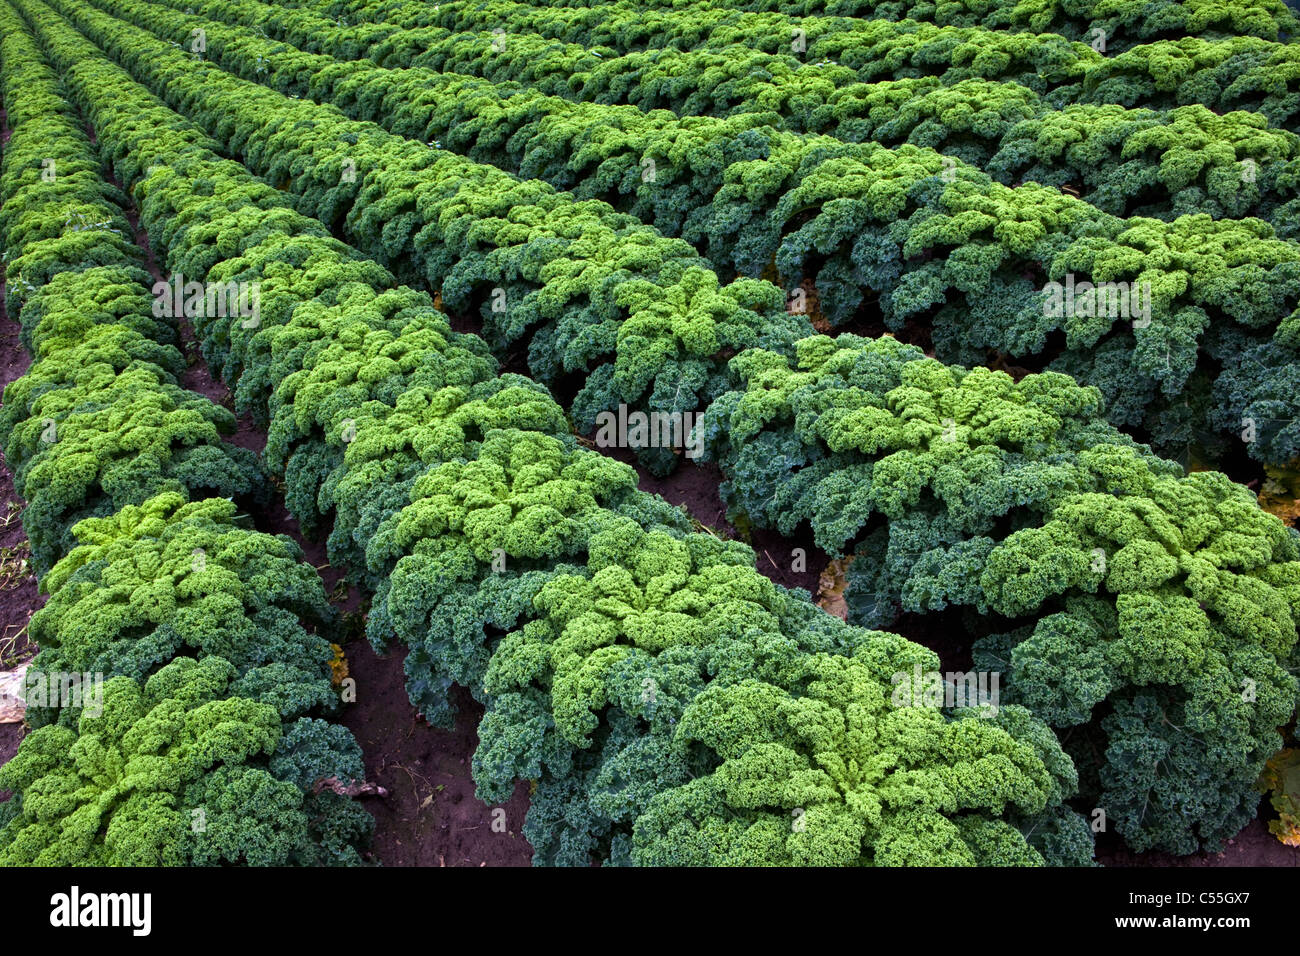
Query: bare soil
[430,816]
[1253,846]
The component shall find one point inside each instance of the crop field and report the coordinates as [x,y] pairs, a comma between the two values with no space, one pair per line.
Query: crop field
[649,433]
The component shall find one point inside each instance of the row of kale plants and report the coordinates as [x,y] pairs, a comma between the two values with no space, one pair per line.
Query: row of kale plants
[1155,162]
[626,26]
[1198,65]
[181,696]
[1122,22]
[1188,330]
